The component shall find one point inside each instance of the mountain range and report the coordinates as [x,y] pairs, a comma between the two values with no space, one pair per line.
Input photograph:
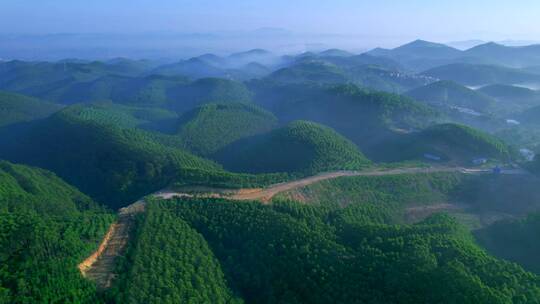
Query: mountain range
[421,55]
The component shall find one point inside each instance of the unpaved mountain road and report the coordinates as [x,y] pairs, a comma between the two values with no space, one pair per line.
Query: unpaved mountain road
[266,194]
[99,267]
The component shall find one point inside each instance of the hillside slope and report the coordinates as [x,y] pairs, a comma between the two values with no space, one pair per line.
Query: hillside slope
[113,165]
[512,98]
[454,143]
[125,116]
[530,116]
[514,241]
[310,71]
[15,108]
[301,146]
[419,55]
[450,94]
[46,228]
[481,75]
[365,117]
[366,71]
[211,127]
[208,90]
[289,252]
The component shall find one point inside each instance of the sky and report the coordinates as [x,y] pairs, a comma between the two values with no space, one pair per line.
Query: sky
[154,28]
[429,19]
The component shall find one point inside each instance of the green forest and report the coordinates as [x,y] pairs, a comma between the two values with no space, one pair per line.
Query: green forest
[319,254]
[404,175]
[46,228]
[299,147]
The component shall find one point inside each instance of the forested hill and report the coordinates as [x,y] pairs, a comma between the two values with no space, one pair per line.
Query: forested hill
[480,75]
[103,150]
[31,189]
[450,94]
[209,128]
[317,255]
[457,144]
[301,147]
[113,165]
[353,156]
[514,240]
[15,108]
[363,116]
[46,228]
[125,116]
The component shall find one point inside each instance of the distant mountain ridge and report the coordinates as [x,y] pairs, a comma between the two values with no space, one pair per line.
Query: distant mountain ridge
[419,48]
[451,94]
[435,54]
[482,74]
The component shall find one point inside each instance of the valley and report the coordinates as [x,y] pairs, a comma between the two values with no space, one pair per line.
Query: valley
[328,176]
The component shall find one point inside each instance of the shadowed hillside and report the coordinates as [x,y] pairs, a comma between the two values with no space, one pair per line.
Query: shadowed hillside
[15,108]
[211,127]
[301,146]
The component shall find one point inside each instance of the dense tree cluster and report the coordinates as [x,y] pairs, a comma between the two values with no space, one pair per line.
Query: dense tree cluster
[514,240]
[46,228]
[288,252]
[111,164]
[207,129]
[300,146]
[122,116]
[15,108]
[363,70]
[132,127]
[401,190]
[465,140]
[352,111]
[447,94]
[210,90]
[172,263]
[367,118]
[481,74]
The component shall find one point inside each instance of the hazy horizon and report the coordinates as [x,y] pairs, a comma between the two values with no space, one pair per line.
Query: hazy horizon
[441,21]
[176,46]
[179,29]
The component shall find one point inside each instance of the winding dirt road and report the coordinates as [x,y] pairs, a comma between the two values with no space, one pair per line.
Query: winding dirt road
[99,267]
[266,194]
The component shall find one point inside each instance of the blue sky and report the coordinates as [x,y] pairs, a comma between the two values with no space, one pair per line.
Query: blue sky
[433,19]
